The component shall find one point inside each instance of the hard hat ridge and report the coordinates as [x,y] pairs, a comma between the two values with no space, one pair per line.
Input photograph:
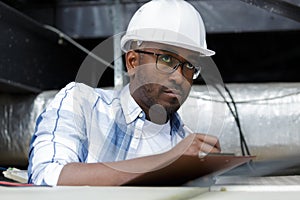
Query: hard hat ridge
[172,22]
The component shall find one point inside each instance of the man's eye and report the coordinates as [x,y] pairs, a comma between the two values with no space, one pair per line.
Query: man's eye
[189,66]
[166,58]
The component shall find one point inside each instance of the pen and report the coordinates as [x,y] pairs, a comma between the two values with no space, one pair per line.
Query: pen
[187,129]
[201,154]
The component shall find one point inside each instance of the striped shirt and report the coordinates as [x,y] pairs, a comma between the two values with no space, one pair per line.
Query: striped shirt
[84,124]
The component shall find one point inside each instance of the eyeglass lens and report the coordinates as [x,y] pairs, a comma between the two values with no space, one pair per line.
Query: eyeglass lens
[167,63]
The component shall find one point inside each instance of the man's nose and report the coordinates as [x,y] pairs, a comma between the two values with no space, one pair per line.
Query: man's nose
[177,76]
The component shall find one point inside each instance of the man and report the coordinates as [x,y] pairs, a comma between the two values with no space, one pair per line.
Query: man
[89,136]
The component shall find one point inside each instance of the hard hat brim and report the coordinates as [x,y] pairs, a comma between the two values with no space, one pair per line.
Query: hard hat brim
[203,52]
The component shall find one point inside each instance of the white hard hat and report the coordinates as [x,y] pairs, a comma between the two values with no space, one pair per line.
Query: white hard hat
[172,22]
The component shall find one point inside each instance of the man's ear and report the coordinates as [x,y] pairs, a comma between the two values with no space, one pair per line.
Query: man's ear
[132,61]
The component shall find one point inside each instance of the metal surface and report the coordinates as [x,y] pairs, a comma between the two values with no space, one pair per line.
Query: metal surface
[279,7]
[91,19]
[18,113]
[33,58]
[151,193]
[119,79]
[45,61]
[270,180]
[237,16]
[124,193]
[8,86]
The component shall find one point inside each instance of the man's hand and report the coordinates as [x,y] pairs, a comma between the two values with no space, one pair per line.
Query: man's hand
[197,143]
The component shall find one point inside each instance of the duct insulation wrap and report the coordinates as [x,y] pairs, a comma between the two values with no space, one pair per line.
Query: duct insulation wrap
[18,113]
[268,113]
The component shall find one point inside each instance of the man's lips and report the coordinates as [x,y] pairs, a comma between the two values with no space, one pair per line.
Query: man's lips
[173,92]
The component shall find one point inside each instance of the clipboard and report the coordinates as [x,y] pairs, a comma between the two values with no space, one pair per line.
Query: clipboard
[187,168]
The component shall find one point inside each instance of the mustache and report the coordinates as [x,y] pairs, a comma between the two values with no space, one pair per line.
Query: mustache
[163,87]
[176,89]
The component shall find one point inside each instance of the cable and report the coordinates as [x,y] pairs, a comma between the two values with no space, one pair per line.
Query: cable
[243,143]
[76,44]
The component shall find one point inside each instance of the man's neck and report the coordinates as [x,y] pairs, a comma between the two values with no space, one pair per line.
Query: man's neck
[155,113]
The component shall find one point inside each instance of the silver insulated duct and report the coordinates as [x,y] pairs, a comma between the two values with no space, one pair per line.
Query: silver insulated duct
[268,113]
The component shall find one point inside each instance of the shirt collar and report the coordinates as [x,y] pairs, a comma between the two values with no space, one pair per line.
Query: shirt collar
[130,108]
[177,125]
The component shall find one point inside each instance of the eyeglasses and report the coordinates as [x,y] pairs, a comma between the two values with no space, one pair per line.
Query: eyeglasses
[168,64]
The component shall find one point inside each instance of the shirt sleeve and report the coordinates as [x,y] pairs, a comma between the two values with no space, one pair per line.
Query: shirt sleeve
[60,136]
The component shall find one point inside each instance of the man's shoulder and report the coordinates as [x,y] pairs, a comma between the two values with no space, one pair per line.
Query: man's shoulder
[91,93]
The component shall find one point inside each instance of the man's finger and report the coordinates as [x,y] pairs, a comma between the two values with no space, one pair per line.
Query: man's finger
[207,148]
[211,140]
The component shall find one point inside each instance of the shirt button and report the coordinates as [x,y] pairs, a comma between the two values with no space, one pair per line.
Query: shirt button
[141,115]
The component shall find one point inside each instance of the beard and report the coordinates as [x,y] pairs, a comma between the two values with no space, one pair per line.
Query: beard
[152,94]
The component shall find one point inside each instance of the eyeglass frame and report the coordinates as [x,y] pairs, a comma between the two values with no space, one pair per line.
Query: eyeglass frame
[182,64]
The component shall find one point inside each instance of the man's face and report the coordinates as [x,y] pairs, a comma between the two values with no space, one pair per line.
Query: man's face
[150,85]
